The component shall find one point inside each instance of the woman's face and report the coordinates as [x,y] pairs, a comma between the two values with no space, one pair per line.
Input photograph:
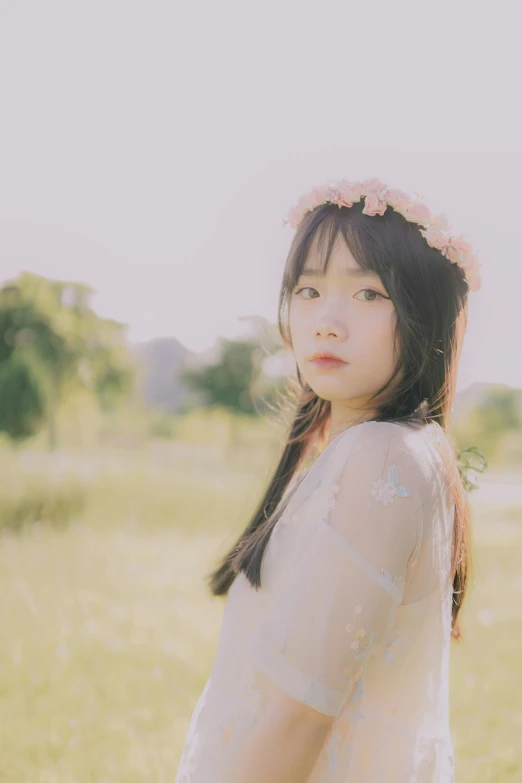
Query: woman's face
[346,313]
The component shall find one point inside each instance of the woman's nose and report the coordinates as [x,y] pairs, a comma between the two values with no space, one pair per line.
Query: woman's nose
[330,328]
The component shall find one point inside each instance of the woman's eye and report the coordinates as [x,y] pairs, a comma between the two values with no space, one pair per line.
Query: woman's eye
[305,288]
[369,295]
[374,295]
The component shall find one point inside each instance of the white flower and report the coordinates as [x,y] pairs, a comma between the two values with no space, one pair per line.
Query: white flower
[385,491]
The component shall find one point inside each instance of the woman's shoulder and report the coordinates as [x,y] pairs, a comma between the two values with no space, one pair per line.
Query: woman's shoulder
[398,434]
[407,433]
[422,449]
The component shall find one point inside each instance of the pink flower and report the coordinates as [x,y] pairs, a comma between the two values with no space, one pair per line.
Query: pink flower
[349,192]
[466,261]
[402,211]
[373,205]
[435,238]
[373,187]
[397,198]
[473,278]
[440,221]
[320,193]
[418,213]
[375,202]
[475,264]
[295,216]
[458,249]
[377,198]
[308,202]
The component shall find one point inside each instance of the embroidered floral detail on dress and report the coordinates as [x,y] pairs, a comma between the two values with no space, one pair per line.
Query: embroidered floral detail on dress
[351,628]
[369,649]
[355,673]
[385,491]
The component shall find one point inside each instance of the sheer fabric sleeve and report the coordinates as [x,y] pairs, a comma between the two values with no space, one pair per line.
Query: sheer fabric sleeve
[335,608]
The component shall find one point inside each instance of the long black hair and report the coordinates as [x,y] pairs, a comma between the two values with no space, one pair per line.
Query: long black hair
[430,299]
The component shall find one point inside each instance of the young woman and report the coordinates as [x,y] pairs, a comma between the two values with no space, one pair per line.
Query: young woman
[346,587]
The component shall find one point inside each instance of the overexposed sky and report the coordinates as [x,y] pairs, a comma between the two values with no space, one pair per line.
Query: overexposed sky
[152,149]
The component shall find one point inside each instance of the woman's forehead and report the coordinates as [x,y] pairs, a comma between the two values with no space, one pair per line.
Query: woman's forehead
[341,262]
[341,271]
[339,257]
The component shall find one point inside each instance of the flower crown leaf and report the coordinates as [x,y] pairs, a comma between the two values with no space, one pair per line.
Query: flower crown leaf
[377,198]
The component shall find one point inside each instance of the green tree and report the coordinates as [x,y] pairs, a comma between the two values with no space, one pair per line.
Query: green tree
[228,382]
[51,343]
[498,415]
[24,395]
[237,381]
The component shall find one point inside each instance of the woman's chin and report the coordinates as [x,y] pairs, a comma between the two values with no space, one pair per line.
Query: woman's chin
[332,392]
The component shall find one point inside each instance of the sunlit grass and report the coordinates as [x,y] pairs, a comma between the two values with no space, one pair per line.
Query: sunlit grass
[108,633]
[486,677]
[107,638]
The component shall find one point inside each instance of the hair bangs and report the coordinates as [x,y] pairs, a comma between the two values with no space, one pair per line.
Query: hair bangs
[316,238]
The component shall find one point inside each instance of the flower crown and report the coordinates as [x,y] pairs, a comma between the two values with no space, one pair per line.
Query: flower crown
[378,197]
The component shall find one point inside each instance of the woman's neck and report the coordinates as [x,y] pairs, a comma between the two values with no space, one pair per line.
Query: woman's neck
[344,415]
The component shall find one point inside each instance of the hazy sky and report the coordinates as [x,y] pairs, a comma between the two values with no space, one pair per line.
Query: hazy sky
[152,149]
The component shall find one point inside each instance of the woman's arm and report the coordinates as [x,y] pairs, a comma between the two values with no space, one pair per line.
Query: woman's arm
[284,745]
[335,608]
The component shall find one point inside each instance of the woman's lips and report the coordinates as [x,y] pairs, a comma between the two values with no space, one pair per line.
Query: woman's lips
[328,364]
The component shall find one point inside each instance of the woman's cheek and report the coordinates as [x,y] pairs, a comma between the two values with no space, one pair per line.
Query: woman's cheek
[387,339]
[297,328]
[384,324]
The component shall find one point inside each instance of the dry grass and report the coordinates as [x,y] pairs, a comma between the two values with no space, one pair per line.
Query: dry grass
[108,633]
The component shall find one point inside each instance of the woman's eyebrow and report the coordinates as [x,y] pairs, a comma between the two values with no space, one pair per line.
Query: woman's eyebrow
[350,272]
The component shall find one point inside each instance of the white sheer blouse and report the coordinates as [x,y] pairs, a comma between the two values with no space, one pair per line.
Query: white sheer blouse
[353,616]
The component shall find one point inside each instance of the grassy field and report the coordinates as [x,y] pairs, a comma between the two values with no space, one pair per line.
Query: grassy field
[107,633]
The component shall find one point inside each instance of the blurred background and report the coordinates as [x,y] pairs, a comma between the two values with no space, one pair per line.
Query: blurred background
[149,152]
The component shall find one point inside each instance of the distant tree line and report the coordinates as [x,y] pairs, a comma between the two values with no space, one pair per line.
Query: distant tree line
[236,380]
[51,344]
